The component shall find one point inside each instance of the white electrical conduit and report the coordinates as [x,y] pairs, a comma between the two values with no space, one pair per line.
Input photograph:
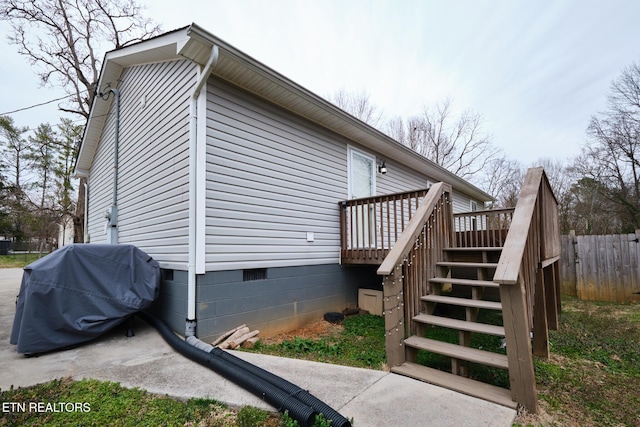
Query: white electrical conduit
[85,238]
[190,327]
[112,213]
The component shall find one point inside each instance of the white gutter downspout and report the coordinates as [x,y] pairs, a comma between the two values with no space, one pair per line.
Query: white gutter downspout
[190,327]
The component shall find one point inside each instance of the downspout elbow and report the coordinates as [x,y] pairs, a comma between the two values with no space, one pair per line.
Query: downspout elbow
[206,71]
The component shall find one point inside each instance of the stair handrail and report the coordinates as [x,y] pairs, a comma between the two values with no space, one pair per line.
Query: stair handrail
[536,198]
[531,243]
[408,265]
[405,242]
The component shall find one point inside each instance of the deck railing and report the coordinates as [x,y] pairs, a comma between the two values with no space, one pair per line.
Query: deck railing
[482,228]
[369,227]
[529,287]
[411,263]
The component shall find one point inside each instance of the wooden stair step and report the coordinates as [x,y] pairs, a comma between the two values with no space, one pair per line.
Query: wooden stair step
[476,249]
[465,282]
[467,264]
[488,358]
[457,383]
[465,302]
[460,325]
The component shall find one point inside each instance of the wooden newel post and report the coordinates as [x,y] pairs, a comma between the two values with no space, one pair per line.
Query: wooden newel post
[516,325]
[394,321]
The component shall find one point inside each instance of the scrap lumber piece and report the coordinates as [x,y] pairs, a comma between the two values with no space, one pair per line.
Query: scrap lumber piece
[238,341]
[250,343]
[227,335]
[237,334]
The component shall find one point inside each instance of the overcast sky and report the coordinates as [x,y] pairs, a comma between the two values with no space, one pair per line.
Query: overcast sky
[534,70]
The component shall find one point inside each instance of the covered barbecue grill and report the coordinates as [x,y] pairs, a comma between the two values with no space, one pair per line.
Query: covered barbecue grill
[79,292]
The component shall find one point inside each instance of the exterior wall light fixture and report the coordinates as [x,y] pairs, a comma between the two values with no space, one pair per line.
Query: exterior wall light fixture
[382,168]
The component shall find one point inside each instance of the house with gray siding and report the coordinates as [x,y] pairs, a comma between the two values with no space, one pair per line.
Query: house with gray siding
[235,179]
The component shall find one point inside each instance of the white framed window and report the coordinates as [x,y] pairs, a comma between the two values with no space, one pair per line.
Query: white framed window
[361,169]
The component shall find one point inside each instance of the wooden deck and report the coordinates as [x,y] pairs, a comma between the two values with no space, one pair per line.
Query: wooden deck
[370,226]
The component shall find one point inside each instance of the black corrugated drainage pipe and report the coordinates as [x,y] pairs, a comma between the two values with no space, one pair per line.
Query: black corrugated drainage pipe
[304,396]
[273,395]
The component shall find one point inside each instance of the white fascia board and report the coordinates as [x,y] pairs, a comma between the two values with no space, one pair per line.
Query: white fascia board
[162,48]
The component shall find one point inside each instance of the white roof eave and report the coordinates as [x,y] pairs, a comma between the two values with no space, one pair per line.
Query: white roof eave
[194,43]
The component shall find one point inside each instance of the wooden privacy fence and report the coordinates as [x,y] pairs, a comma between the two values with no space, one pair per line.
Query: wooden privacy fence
[601,268]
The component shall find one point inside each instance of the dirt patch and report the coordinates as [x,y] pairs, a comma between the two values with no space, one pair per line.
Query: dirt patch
[318,329]
[541,419]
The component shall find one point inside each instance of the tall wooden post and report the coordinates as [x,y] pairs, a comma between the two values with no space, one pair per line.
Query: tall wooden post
[394,321]
[540,330]
[516,326]
[552,294]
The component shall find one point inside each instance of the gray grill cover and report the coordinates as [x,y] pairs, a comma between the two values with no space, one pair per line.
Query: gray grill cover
[79,292]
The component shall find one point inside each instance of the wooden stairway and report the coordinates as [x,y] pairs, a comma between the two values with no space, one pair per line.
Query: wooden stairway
[462,288]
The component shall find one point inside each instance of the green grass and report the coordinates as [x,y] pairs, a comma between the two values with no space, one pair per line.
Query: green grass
[96,403]
[66,402]
[593,376]
[360,344]
[17,260]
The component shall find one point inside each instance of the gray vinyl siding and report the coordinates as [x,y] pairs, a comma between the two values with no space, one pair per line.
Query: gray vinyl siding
[462,203]
[101,184]
[153,162]
[404,178]
[400,178]
[271,178]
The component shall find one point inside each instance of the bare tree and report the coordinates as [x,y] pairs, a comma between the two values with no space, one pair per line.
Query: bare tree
[502,180]
[359,105]
[561,180]
[591,211]
[625,93]
[611,157]
[456,143]
[66,40]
